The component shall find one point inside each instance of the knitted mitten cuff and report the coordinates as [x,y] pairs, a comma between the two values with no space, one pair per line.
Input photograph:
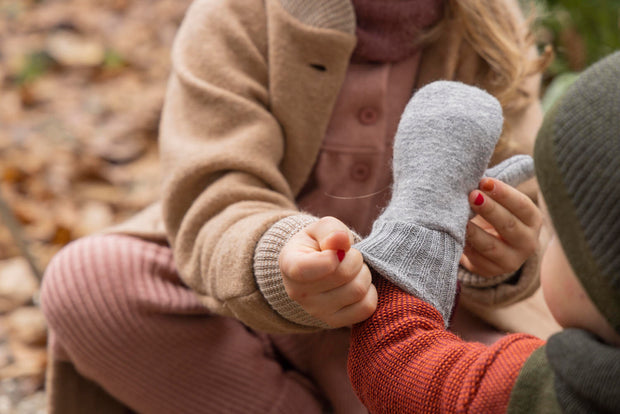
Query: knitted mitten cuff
[474,280]
[267,269]
[419,260]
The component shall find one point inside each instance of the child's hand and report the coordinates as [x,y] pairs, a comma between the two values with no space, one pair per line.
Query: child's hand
[505,231]
[325,276]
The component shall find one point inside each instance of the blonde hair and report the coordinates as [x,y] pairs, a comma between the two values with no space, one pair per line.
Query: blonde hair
[507,50]
[489,27]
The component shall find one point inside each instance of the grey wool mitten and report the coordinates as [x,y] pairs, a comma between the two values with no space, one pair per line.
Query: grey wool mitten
[514,170]
[442,147]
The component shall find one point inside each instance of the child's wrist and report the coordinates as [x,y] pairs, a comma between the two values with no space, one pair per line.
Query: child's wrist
[267,269]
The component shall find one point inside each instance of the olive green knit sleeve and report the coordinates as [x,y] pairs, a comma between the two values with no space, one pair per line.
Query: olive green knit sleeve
[534,390]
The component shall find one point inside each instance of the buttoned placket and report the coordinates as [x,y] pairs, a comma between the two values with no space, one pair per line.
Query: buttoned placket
[352,175]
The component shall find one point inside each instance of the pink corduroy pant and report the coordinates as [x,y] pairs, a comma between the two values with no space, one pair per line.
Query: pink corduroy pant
[119,313]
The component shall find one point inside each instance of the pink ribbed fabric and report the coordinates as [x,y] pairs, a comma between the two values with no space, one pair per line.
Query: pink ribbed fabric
[120,314]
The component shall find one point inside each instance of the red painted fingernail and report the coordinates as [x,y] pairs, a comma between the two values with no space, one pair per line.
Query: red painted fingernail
[340,254]
[479,199]
[487,185]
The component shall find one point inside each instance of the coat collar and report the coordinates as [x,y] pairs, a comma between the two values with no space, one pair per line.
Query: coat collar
[325,14]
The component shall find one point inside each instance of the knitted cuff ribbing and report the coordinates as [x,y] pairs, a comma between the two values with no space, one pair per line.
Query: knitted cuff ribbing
[474,280]
[477,295]
[267,269]
[419,260]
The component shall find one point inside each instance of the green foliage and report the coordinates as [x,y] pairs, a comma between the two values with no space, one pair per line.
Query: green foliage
[34,66]
[580,31]
[113,60]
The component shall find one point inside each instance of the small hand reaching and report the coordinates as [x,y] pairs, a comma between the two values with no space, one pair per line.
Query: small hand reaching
[327,277]
[505,231]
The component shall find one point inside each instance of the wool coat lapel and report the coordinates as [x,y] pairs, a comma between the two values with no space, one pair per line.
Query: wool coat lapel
[307,68]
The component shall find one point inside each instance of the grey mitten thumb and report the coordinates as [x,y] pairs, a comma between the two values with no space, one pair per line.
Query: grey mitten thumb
[443,144]
[513,171]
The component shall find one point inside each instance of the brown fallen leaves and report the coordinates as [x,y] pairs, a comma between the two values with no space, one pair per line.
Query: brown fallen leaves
[81,89]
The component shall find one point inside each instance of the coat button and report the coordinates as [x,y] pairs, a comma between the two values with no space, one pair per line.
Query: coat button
[360,171]
[368,116]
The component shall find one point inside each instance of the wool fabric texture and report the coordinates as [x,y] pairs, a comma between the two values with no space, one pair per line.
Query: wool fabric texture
[388,30]
[403,360]
[442,146]
[587,372]
[124,328]
[577,158]
[513,171]
[534,390]
[269,121]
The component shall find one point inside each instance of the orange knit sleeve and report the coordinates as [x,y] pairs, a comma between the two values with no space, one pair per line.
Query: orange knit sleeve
[403,360]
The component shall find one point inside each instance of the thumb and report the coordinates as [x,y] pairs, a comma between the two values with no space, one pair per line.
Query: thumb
[513,171]
[338,240]
[331,234]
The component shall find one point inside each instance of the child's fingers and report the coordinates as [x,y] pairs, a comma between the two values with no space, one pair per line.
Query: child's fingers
[513,200]
[303,258]
[512,230]
[489,253]
[514,225]
[327,305]
[307,267]
[351,292]
[357,311]
[478,264]
[322,279]
[331,234]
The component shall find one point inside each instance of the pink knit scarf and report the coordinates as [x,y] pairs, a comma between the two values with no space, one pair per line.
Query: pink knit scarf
[387,29]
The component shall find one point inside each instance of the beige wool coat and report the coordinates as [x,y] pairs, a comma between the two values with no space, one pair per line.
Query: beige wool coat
[248,103]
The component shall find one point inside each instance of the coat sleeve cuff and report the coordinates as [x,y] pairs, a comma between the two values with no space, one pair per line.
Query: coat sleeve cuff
[267,269]
[499,291]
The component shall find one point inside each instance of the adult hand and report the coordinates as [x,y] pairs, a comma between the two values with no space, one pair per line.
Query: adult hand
[326,276]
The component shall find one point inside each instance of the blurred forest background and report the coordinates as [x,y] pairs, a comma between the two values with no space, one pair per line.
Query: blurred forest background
[81,88]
